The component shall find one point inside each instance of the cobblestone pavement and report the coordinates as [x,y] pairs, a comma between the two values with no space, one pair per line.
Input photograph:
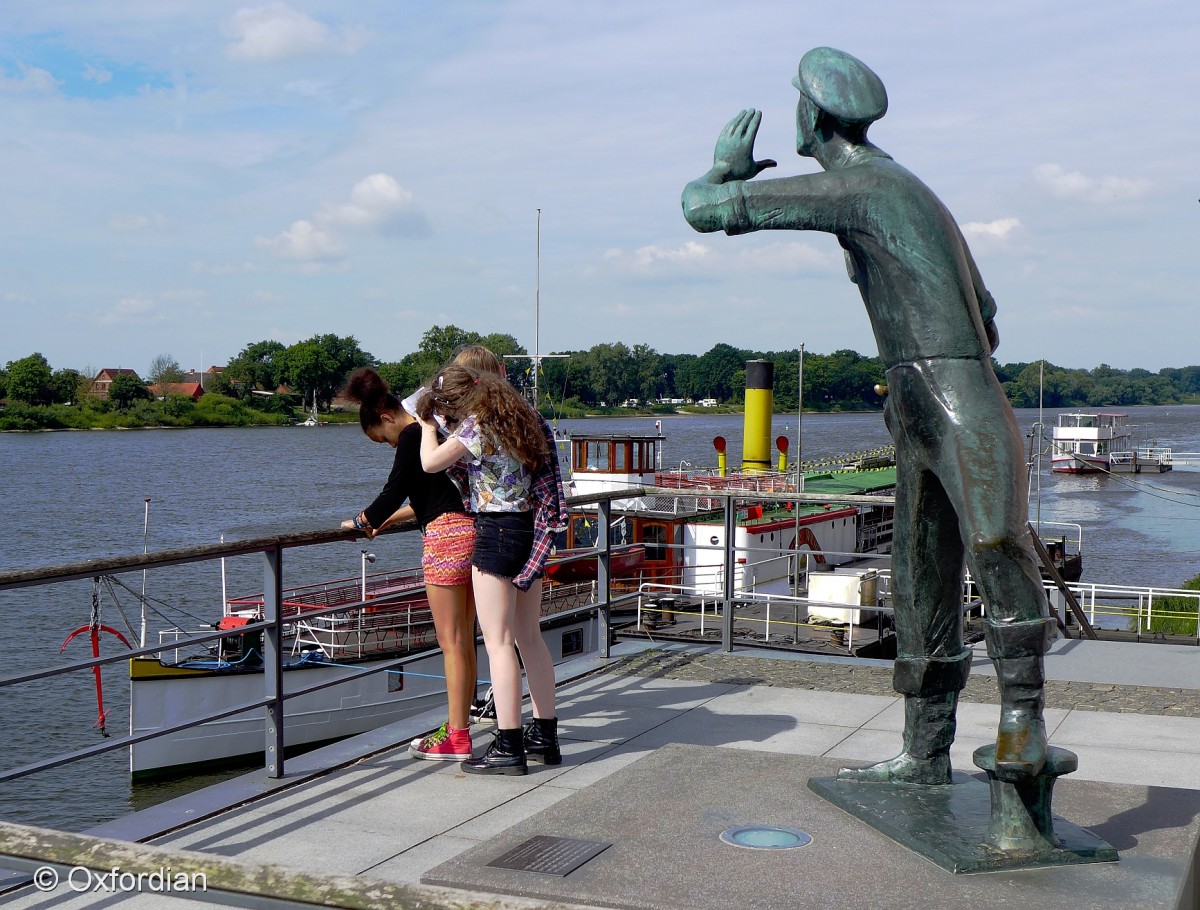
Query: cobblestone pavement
[736,669]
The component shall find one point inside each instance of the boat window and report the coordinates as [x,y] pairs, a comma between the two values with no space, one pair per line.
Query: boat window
[655,539]
[572,642]
[583,532]
[597,456]
[643,456]
[1087,448]
[621,457]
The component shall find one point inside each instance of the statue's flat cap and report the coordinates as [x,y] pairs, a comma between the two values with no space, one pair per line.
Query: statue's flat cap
[842,86]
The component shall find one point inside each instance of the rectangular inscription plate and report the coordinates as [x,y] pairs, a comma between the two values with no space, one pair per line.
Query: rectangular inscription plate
[550,855]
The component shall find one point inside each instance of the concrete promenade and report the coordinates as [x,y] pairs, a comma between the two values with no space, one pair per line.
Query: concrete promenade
[1131,713]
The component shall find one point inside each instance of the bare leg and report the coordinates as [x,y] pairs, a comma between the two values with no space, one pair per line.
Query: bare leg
[496,604]
[539,665]
[454,621]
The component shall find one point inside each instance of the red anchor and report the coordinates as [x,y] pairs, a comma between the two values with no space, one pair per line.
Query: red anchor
[96,627]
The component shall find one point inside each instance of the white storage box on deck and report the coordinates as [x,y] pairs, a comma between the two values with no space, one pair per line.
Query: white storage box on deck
[854,587]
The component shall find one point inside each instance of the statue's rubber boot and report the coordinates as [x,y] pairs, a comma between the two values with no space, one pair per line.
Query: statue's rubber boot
[928,732]
[541,741]
[1017,650]
[930,686]
[506,755]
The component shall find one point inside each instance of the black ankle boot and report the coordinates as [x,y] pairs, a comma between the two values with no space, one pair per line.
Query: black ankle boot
[506,755]
[541,741]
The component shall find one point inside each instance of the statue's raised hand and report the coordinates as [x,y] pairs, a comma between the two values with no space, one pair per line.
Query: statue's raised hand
[734,155]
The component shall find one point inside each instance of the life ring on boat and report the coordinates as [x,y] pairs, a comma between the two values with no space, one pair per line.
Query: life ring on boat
[806,538]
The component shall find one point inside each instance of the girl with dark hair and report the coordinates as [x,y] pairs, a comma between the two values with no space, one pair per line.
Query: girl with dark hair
[517,496]
[449,536]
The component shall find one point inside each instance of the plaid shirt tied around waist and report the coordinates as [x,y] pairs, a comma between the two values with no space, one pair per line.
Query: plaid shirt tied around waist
[549,514]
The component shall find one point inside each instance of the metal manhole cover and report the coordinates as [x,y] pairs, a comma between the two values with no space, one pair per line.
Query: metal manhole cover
[765,837]
[550,855]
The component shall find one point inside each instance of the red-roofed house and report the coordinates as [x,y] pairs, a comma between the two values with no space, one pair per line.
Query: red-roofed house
[103,380]
[192,390]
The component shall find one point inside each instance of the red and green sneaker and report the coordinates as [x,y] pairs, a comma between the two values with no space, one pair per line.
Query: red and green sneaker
[444,744]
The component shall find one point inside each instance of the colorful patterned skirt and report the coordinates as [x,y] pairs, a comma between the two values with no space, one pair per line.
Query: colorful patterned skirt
[449,543]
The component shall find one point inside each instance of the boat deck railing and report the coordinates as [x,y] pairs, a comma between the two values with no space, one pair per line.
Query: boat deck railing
[1146,612]
[1183,459]
[773,619]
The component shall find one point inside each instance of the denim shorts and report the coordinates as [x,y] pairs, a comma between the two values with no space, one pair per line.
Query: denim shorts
[503,541]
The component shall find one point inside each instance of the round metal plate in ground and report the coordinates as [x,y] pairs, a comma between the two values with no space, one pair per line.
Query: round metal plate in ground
[765,837]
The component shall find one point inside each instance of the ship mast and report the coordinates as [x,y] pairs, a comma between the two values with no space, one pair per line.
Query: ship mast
[537,357]
[537,309]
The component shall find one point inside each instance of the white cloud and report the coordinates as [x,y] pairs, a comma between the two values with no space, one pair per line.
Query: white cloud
[790,257]
[655,258]
[218,269]
[97,75]
[185,295]
[31,79]
[133,221]
[130,310]
[277,32]
[377,201]
[1064,184]
[304,241]
[998,229]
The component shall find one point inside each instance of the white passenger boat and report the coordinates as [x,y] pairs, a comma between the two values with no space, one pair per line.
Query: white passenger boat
[1091,442]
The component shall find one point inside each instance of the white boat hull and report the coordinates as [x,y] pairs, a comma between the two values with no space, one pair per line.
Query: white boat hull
[1078,464]
[160,698]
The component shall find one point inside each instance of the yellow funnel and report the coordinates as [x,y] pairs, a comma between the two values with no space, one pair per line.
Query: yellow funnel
[760,404]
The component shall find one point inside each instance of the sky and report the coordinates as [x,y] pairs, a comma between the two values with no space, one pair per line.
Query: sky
[188,177]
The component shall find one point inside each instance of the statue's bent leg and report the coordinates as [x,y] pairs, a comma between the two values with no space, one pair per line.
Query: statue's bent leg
[1017,631]
[930,688]
[1017,649]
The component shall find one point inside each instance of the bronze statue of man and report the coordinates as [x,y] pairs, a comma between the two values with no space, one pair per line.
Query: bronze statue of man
[961,488]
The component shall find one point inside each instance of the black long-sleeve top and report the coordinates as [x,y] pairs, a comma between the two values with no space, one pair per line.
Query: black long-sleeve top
[431,495]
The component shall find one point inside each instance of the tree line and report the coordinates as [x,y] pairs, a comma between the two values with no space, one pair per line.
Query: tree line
[273,379]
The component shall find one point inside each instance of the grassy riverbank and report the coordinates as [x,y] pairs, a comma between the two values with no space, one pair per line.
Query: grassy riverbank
[176,411]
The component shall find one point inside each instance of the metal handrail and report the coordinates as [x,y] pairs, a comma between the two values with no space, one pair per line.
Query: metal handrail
[270,625]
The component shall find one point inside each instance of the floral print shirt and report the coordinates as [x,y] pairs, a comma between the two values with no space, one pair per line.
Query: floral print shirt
[499,482]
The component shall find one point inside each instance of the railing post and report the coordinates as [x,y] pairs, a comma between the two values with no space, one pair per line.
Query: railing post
[272,658]
[603,578]
[727,586]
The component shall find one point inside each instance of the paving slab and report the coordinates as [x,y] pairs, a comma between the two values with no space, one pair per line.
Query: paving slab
[666,853]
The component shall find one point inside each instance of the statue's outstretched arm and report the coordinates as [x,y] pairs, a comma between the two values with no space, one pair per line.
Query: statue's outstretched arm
[733,161]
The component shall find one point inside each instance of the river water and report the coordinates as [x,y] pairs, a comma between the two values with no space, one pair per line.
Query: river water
[81,495]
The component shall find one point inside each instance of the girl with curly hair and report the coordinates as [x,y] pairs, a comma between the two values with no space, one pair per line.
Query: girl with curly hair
[516,494]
